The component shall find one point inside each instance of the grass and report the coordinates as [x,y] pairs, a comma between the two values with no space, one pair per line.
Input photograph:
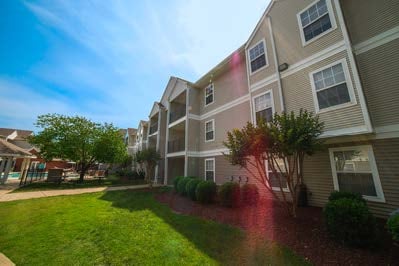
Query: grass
[124,228]
[73,184]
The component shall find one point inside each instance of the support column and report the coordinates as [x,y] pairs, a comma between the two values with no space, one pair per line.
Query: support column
[2,164]
[7,170]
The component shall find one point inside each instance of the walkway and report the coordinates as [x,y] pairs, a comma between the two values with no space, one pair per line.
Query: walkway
[5,195]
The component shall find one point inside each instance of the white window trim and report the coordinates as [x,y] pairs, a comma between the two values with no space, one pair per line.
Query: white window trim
[253,103]
[214,130]
[213,170]
[249,58]
[349,85]
[332,20]
[374,170]
[285,189]
[213,94]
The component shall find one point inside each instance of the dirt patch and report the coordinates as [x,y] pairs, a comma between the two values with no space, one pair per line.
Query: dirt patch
[306,235]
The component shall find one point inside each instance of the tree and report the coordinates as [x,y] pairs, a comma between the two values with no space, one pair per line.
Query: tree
[78,139]
[148,158]
[281,145]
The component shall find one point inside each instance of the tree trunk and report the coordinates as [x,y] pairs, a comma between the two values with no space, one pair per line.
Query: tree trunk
[81,176]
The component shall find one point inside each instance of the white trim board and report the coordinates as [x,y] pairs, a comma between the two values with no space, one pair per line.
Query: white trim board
[264,82]
[376,41]
[222,108]
[208,153]
[345,131]
[176,154]
[178,121]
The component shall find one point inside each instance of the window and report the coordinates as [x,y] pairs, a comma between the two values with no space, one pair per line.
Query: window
[354,170]
[331,87]
[263,106]
[316,20]
[274,178]
[257,56]
[210,169]
[210,130]
[209,94]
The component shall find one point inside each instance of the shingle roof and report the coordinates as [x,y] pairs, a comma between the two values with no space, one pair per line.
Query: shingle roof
[131,131]
[21,134]
[7,148]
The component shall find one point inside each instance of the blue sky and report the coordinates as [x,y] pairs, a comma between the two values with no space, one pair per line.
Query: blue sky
[110,60]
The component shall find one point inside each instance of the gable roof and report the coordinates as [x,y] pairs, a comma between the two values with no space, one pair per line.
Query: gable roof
[9,149]
[20,133]
[131,131]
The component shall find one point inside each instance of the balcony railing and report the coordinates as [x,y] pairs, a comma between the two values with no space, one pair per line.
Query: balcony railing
[154,128]
[176,145]
[178,112]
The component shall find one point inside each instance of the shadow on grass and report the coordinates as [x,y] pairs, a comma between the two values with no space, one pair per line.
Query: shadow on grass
[225,244]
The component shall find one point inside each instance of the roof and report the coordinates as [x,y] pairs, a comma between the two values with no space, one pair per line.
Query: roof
[21,133]
[123,132]
[131,131]
[9,149]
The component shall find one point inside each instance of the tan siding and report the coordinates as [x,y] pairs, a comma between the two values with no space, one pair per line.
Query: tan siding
[379,74]
[235,117]
[367,18]
[263,33]
[194,101]
[228,86]
[276,94]
[298,94]
[194,167]
[319,180]
[193,135]
[287,35]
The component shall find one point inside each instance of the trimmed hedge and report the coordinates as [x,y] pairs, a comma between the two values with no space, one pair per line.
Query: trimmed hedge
[176,181]
[181,185]
[191,188]
[345,195]
[393,225]
[350,221]
[229,194]
[249,194]
[206,191]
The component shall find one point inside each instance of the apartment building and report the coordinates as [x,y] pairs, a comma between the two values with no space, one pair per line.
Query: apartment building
[338,59]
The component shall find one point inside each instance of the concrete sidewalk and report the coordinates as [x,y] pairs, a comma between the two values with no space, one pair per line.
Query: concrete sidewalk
[6,196]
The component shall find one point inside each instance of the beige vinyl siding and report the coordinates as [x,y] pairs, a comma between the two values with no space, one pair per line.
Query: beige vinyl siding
[229,86]
[194,104]
[297,92]
[319,180]
[378,69]
[262,33]
[276,94]
[368,18]
[193,135]
[223,169]
[194,167]
[162,133]
[287,35]
[235,117]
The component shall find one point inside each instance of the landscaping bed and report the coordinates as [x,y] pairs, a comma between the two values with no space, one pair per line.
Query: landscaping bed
[306,235]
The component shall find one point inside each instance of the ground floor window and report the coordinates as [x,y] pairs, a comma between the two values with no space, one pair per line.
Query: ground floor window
[210,169]
[274,177]
[354,170]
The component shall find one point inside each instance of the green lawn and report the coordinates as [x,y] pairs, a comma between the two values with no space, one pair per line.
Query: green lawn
[123,227]
[109,181]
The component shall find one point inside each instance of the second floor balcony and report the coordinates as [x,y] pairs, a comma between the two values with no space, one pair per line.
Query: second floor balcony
[178,111]
[153,128]
[176,145]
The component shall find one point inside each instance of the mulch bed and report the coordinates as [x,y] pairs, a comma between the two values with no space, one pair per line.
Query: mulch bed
[306,235]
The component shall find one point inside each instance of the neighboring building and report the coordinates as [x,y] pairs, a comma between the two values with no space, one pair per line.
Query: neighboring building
[338,59]
[141,136]
[130,140]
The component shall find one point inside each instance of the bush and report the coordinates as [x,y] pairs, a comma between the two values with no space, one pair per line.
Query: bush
[393,225]
[345,195]
[350,221]
[191,188]
[131,175]
[250,194]
[229,194]
[176,181]
[181,185]
[206,191]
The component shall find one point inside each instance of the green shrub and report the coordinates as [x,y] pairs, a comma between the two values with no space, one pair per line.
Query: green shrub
[229,194]
[176,181]
[206,191]
[393,225]
[249,194]
[181,185]
[345,195]
[350,221]
[191,188]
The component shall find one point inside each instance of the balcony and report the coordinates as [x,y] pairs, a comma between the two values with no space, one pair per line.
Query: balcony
[176,145]
[177,112]
[154,128]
